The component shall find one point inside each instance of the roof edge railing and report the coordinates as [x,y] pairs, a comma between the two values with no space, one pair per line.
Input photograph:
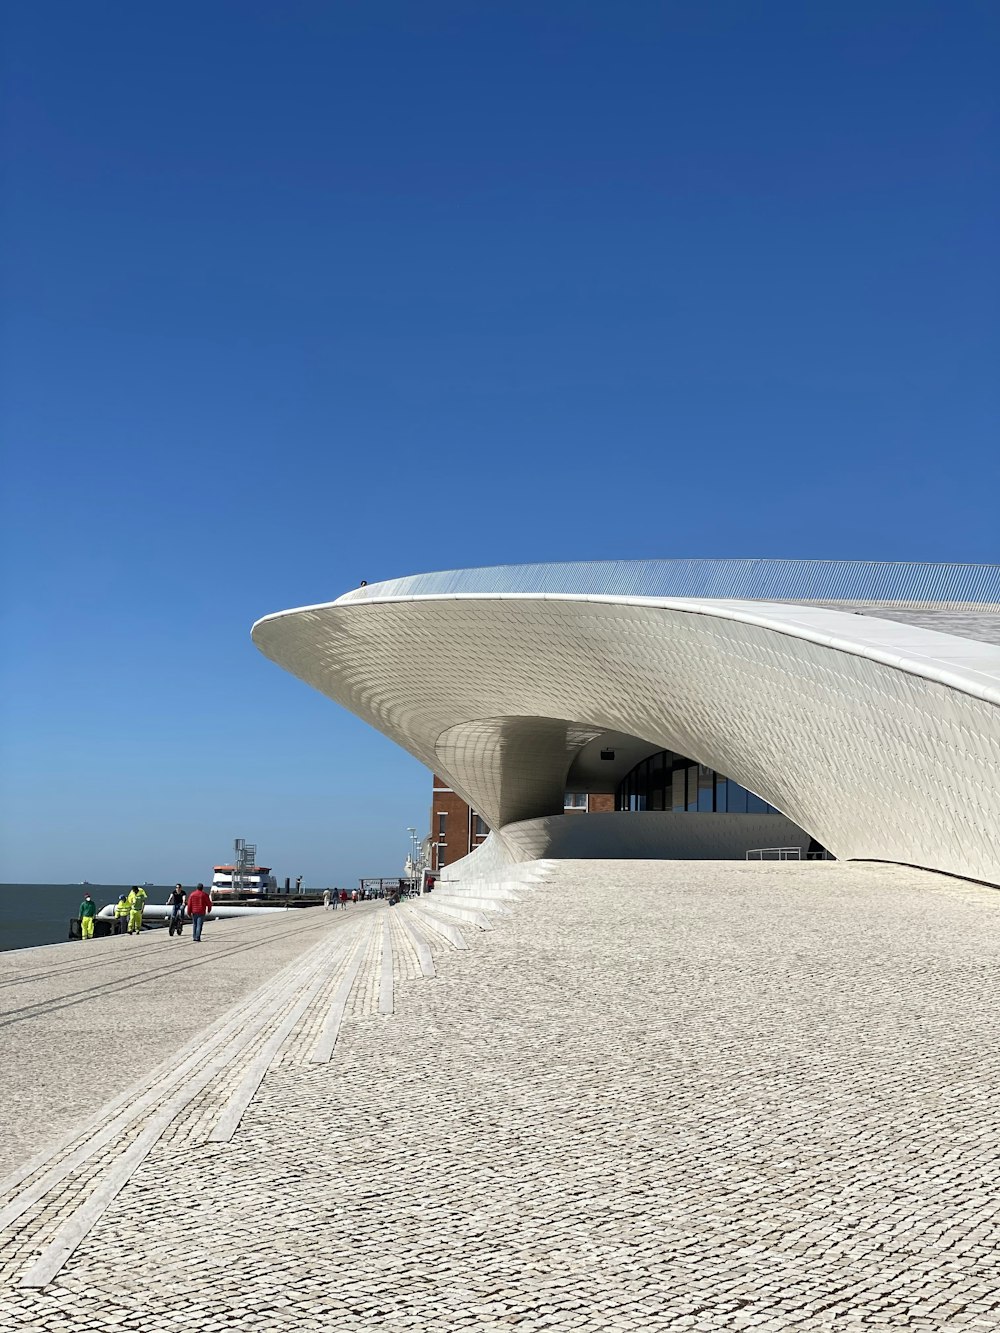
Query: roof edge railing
[901,583]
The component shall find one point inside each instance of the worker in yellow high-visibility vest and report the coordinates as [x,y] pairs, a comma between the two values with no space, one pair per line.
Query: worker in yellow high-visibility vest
[122,913]
[136,902]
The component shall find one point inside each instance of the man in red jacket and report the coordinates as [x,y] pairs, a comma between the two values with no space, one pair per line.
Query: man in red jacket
[199,904]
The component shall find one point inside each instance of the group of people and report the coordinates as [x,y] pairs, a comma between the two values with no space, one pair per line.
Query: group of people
[128,913]
[334,898]
[197,904]
[129,909]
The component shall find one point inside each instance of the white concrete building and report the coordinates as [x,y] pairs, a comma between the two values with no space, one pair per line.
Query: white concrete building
[860,700]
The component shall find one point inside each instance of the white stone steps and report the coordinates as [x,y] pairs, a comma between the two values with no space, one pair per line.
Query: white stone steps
[385,978]
[424,956]
[237,1104]
[446,929]
[327,1039]
[476,903]
[495,892]
[470,914]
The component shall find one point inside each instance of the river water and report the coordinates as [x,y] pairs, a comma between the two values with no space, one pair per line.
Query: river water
[39,913]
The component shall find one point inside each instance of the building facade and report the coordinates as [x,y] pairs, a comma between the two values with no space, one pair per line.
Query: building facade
[857,702]
[455,830]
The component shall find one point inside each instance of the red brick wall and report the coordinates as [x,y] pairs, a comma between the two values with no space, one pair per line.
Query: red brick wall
[456,825]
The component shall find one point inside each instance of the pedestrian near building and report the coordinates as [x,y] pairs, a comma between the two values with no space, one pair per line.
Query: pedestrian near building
[136,903]
[343,898]
[121,915]
[199,905]
[176,902]
[88,910]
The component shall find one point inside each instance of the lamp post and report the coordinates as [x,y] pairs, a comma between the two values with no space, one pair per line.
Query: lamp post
[413,857]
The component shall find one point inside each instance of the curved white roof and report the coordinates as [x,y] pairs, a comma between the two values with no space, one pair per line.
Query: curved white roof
[879,737]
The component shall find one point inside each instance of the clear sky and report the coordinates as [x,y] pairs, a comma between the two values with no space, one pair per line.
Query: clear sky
[296,294]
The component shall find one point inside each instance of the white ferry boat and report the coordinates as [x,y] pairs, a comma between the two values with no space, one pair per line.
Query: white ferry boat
[244,878]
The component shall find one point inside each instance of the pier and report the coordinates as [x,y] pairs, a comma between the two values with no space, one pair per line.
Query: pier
[608,1095]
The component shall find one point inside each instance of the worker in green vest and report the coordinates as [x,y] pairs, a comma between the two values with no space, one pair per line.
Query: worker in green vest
[136,902]
[88,910]
[122,911]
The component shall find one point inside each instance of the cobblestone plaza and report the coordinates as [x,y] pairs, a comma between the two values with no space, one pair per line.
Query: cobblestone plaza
[644,1095]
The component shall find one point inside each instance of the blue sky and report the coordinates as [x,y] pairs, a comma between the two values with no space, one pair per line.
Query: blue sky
[298,294]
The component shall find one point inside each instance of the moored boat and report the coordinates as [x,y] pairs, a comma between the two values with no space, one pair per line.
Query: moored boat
[244,878]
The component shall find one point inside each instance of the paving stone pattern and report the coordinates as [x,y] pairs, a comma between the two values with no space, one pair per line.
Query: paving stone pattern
[80,1022]
[654,1096]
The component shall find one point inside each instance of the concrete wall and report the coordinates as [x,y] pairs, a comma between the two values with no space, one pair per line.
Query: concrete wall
[651,835]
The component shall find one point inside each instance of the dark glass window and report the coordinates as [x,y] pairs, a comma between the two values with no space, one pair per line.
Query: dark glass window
[667,781]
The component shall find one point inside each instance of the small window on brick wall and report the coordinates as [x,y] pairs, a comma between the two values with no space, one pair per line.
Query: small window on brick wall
[575,800]
[441,822]
[480,827]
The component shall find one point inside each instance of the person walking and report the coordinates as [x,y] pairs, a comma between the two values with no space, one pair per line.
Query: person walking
[199,905]
[326,900]
[343,898]
[136,903]
[176,902]
[121,915]
[88,910]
